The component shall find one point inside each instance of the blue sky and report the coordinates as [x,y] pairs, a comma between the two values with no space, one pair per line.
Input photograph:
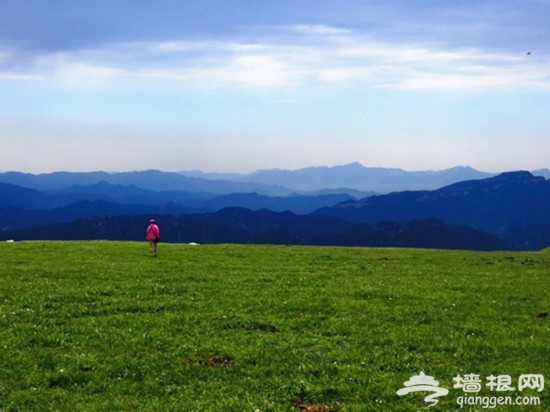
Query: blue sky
[241,85]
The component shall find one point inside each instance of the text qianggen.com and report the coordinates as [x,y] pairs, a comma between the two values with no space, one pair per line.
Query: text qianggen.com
[490,402]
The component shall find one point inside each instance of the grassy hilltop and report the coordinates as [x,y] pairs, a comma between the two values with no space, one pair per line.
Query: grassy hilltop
[101,326]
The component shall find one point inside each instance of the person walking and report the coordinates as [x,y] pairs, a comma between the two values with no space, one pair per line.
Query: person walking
[152,235]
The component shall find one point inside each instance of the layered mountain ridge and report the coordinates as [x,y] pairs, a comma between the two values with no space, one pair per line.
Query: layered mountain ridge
[508,210]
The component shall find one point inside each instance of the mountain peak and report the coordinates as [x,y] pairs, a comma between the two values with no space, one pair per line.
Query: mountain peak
[519,176]
[353,165]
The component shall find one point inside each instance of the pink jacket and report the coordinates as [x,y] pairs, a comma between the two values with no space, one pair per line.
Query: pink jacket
[153,233]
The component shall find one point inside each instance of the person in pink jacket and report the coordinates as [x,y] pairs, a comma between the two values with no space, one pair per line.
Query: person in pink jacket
[152,235]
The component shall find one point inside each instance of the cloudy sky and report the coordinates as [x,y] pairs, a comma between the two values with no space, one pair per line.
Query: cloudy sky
[241,85]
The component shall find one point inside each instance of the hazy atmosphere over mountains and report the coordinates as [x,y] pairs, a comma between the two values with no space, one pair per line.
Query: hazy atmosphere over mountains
[454,208]
[346,178]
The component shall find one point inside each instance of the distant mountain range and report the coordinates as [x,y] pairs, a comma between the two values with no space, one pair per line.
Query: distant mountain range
[512,206]
[302,207]
[353,178]
[60,197]
[22,207]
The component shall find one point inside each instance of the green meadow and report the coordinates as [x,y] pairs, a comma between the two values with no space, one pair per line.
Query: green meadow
[101,326]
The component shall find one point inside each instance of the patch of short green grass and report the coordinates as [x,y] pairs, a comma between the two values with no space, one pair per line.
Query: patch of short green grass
[95,326]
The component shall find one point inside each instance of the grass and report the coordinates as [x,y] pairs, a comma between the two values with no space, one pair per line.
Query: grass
[101,326]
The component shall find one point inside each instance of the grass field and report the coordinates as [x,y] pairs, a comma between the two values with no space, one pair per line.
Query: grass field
[101,326]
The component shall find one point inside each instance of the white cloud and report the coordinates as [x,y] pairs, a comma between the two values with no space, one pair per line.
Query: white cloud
[321,30]
[9,71]
[317,53]
[10,76]
[250,70]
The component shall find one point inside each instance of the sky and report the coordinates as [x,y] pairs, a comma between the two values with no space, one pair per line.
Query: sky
[241,85]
